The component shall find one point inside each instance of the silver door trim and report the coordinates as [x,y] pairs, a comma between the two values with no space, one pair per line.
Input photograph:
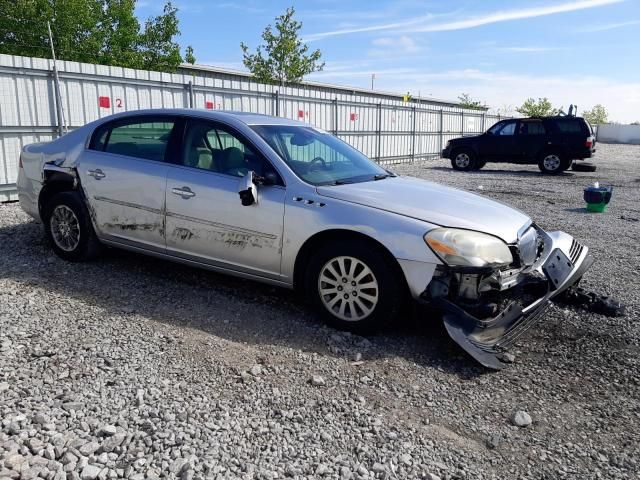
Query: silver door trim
[222,226]
[129,204]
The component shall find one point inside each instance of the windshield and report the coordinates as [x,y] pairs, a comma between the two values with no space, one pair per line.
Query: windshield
[318,157]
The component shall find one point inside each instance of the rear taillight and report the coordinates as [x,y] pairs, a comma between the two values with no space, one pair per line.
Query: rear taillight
[589,142]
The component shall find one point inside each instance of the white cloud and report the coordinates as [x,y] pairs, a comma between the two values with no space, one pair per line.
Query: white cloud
[402,45]
[608,26]
[418,24]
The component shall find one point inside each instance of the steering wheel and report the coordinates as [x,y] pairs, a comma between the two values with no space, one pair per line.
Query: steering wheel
[313,164]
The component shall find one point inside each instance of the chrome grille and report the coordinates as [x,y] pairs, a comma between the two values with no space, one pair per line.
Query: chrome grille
[575,251]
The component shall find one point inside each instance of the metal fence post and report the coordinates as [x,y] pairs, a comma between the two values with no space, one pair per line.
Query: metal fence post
[413,135]
[192,101]
[58,101]
[277,100]
[462,123]
[441,129]
[335,116]
[379,131]
[484,121]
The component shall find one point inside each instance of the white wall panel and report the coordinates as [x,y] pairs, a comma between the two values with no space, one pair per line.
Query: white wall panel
[379,124]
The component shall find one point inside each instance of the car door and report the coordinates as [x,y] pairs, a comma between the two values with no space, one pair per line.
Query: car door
[498,144]
[205,219]
[123,174]
[531,139]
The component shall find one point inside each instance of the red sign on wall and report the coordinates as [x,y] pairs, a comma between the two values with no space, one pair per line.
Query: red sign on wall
[209,105]
[353,117]
[300,113]
[104,102]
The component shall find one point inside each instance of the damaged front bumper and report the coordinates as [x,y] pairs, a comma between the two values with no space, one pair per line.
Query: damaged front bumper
[486,311]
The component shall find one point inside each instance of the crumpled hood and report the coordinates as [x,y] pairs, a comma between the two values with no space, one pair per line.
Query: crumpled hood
[434,203]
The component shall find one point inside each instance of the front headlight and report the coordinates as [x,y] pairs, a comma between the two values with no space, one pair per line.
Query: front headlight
[466,248]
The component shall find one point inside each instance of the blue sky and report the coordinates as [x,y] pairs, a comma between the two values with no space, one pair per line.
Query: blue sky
[572,51]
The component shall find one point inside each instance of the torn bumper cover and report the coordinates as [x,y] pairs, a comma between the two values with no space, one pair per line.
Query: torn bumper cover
[486,326]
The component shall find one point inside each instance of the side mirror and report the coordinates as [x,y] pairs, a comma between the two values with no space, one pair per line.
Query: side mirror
[247,189]
[270,178]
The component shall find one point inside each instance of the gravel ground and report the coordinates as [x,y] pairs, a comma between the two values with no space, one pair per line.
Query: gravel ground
[131,367]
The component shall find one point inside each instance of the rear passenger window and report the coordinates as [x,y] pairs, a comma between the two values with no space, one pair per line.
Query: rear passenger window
[147,139]
[569,126]
[531,128]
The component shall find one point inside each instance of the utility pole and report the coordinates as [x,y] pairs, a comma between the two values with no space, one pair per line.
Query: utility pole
[373,77]
[62,124]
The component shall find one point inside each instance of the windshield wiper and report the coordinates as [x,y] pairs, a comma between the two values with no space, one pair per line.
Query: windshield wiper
[382,176]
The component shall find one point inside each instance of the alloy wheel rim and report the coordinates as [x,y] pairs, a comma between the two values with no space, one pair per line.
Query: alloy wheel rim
[65,228]
[462,160]
[348,288]
[551,162]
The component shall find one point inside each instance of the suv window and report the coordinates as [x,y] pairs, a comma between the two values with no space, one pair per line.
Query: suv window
[509,128]
[531,127]
[146,139]
[572,125]
[211,147]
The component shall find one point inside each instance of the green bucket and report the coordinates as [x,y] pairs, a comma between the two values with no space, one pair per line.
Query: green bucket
[597,198]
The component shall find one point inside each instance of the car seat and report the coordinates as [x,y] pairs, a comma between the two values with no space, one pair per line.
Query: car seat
[233,162]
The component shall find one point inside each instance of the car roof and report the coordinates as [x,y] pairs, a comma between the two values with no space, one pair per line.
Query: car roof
[228,115]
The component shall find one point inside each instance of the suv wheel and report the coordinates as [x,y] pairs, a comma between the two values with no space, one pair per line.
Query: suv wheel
[68,227]
[552,163]
[353,286]
[463,160]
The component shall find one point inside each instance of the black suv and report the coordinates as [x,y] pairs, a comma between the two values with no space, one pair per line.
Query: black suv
[551,142]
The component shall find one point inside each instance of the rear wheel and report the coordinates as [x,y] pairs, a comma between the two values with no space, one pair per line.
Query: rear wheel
[463,159]
[68,227]
[552,163]
[354,286]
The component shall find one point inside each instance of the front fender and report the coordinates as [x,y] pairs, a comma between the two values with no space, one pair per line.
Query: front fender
[401,236]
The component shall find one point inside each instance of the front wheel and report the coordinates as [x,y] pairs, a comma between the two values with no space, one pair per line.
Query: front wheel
[354,286]
[68,227]
[463,160]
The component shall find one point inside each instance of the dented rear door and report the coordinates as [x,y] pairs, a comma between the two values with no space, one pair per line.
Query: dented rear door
[123,174]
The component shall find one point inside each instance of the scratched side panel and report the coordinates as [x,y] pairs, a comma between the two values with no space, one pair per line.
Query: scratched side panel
[128,202]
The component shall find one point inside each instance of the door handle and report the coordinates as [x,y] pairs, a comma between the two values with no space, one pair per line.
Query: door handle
[97,174]
[184,192]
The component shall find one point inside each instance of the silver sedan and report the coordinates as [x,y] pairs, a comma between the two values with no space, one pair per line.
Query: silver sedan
[282,202]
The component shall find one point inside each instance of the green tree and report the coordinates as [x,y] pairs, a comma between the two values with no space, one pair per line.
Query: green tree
[189,57]
[93,31]
[285,58]
[597,115]
[537,108]
[465,100]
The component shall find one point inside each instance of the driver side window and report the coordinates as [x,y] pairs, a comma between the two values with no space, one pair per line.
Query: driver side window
[214,148]
[508,128]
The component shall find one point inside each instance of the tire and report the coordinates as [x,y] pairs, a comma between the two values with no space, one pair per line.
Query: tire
[68,227]
[463,159]
[584,167]
[479,164]
[335,268]
[552,163]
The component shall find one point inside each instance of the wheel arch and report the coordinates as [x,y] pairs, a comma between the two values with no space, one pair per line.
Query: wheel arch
[55,182]
[470,147]
[334,235]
